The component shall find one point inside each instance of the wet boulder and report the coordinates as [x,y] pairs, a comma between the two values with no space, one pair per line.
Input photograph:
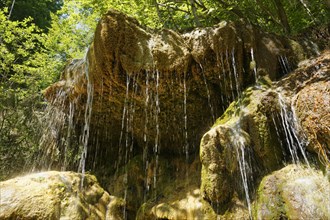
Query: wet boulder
[294,192]
[57,195]
[271,124]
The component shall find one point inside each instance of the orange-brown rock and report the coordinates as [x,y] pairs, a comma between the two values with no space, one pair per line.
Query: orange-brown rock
[161,90]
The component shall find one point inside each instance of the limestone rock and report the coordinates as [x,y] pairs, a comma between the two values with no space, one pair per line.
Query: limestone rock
[312,104]
[185,203]
[56,195]
[294,192]
[269,124]
[244,134]
[151,181]
[160,79]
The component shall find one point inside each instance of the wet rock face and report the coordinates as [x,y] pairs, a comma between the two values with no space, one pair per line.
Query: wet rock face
[162,89]
[312,104]
[56,195]
[242,142]
[293,192]
[271,123]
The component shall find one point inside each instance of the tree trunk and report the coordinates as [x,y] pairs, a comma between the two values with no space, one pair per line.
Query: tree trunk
[194,12]
[282,16]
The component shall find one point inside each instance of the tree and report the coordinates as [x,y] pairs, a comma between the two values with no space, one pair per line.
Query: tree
[22,77]
[39,10]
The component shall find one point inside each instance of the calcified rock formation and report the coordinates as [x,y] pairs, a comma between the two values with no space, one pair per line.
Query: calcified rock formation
[270,124]
[141,100]
[159,91]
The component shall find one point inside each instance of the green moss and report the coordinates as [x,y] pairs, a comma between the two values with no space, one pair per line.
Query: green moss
[298,50]
[228,115]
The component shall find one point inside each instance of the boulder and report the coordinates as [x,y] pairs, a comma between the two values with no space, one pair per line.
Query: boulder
[271,123]
[57,195]
[294,192]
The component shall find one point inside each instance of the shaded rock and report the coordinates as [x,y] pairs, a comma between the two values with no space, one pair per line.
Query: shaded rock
[56,195]
[153,180]
[177,195]
[293,192]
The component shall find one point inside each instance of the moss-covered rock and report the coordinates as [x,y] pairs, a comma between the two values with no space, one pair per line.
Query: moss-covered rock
[294,192]
[56,195]
[245,126]
[269,124]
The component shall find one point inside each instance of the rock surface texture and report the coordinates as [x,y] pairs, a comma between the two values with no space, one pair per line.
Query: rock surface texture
[269,124]
[293,192]
[57,195]
[147,84]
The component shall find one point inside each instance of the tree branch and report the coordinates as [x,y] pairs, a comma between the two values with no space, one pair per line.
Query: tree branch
[234,10]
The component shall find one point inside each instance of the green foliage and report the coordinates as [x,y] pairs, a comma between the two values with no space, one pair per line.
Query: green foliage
[22,77]
[277,16]
[40,11]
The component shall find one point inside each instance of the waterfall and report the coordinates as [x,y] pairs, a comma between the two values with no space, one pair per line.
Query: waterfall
[145,136]
[285,66]
[290,126]
[253,64]
[69,134]
[243,167]
[157,141]
[236,76]
[208,93]
[185,118]
[87,117]
[238,142]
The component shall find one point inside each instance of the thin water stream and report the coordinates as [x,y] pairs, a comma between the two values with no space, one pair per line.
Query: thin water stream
[208,93]
[289,125]
[87,117]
